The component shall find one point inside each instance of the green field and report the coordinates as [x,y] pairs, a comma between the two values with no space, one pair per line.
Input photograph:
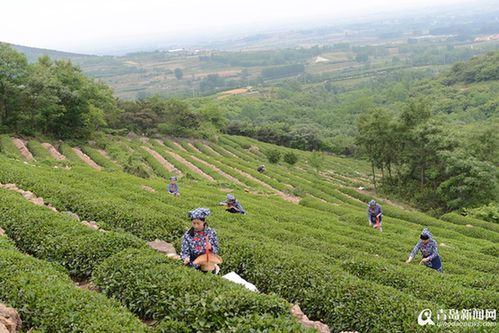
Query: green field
[304,240]
[341,59]
[207,72]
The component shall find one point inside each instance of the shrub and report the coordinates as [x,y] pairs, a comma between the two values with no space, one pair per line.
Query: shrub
[290,158]
[8,148]
[273,155]
[55,237]
[489,213]
[99,159]
[38,151]
[47,300]
[136,167]
[155,287]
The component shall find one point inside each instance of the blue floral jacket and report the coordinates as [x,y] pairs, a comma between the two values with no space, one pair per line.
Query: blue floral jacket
[371,213]
[429,250]
[172,188]
[194,246]
[237,205]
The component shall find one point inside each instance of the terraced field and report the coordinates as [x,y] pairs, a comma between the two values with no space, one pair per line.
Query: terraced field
[304,240]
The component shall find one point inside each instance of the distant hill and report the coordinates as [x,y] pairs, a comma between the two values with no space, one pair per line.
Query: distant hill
[357,50]
[485,68]
[34,53]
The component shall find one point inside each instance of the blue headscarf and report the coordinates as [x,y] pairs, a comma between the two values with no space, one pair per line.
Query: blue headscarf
[372,203]
[199,213]
[426,233]
[173,178]
[231,197]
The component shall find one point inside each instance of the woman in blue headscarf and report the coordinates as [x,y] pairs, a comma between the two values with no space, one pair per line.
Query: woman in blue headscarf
[429,248]
[173,186]
[233,205]
[199,239]
[375,215]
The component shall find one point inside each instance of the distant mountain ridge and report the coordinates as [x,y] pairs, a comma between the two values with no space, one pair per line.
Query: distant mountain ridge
[33,53]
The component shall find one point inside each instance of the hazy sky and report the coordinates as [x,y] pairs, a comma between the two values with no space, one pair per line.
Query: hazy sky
[100,25]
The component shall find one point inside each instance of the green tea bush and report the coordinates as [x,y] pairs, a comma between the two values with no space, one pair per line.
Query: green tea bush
[97,157]
[7,243]
[52,236]
[489,213]
[67,151]
[8,148]
[39,152]
[324,293]
[469,220]
[320,253]
[47,300]
[155,287]
[158,169]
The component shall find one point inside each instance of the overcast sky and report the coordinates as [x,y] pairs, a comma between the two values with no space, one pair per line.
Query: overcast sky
[95,26]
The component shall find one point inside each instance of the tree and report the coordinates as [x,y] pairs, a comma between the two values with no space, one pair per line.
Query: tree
[81,100]
[13,73]
[290,158]
[51,97]
[273,155]
[179,74]
[414,114]
[484,143]
[138,116]
[273,134]
[44,105]
[423,139]
[214,115]
[317,160]
[103,107]
[375,129]
[305,137]
[469,182]
[179,120]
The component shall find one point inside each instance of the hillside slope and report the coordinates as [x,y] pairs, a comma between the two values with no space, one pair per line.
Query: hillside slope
[304,238]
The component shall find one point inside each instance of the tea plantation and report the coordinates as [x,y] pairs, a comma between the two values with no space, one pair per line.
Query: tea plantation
[305,239]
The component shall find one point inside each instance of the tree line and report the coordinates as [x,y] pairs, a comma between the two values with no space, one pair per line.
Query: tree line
[427,162]
[55,99]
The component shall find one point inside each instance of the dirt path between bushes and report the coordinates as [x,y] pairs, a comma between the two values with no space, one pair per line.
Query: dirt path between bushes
[23,150]
[85,158]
